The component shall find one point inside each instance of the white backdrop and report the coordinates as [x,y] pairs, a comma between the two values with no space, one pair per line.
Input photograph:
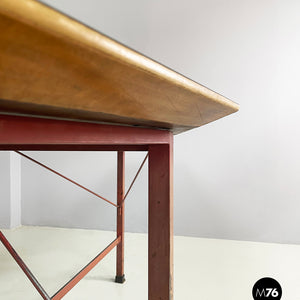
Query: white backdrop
[237,178]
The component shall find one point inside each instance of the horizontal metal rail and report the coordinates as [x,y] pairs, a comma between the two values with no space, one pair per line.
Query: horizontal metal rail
[66,178]
[66,288]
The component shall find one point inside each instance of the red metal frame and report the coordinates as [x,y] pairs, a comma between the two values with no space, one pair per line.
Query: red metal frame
[120,277]
[28,133]
[160,228]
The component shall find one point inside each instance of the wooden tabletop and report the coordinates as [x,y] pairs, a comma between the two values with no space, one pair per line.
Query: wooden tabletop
[54,66]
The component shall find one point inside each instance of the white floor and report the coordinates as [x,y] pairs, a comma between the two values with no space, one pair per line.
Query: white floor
[205,269]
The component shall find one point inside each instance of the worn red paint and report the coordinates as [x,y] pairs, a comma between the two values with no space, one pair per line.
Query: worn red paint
[160,233]
[120,216]
[26,133]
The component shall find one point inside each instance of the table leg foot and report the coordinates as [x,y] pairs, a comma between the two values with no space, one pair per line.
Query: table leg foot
[120,279]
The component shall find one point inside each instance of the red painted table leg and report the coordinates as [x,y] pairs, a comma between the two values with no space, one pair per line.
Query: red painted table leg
[120,277]
[160,256]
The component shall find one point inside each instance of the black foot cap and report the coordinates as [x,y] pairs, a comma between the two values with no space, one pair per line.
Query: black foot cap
[120,279]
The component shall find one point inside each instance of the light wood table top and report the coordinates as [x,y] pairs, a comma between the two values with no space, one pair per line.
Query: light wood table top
[54,66]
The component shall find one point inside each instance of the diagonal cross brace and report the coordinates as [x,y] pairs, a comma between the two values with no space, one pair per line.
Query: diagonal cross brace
[69,285]
[81,186]
[23,266]
[70,180]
